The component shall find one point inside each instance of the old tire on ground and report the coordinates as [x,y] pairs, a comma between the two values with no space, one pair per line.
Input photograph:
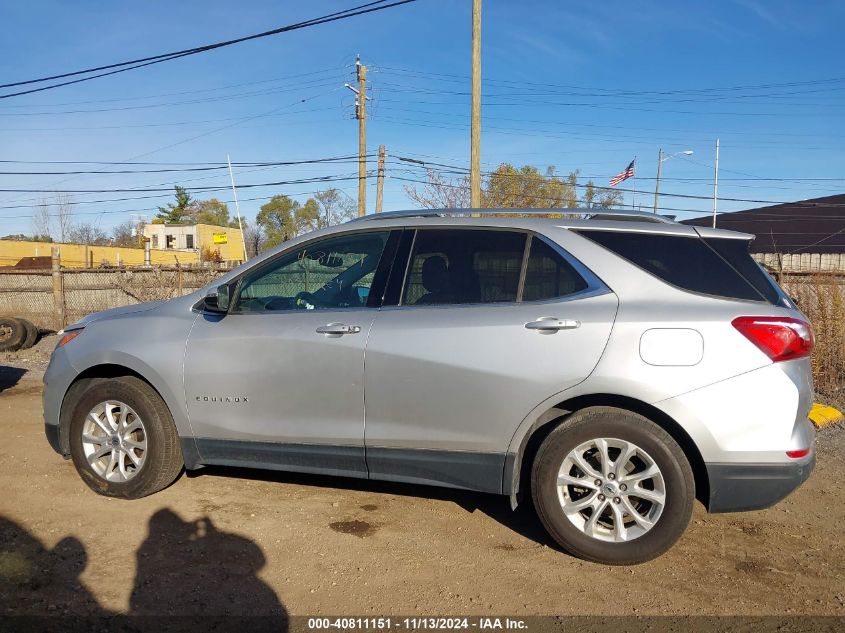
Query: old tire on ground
[32,333]
[123,440]
[612,487]
[12,334]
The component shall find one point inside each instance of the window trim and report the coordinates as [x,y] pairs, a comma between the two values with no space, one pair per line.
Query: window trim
[235,283]
[595,286]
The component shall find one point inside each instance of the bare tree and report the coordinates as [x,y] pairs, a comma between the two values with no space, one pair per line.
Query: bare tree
[87,233]
[64,212]
[254,238]
[440,192]
[334,207]
[126,234]
[41,224]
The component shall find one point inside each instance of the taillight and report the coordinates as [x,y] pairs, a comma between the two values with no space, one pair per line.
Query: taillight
[780,338]
[803,452]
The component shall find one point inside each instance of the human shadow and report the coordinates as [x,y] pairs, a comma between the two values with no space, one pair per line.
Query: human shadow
[10,376]
[523,520]
[38,581]
[192,570]
[190,576]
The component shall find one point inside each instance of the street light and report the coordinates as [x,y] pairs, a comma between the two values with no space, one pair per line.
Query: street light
[661,158]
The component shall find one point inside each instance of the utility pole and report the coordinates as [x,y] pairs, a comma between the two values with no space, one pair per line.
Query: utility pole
[475,131]
[361,114]
[237,206]
[657,182]
[716,184]
[380,179]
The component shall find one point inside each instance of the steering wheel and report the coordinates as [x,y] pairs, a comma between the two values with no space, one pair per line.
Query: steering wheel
[304,299]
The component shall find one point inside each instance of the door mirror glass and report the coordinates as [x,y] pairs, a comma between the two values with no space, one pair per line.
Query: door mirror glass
[217,299]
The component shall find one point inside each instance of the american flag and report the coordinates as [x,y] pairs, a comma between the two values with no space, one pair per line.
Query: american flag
[628,173]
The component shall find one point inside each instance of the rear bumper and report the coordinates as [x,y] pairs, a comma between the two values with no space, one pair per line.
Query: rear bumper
[741,487]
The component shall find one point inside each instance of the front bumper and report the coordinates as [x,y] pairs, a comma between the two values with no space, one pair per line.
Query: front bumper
[58,377]
[741,487]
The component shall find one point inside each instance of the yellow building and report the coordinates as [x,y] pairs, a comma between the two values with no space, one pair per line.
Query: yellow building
[83,256]
[207,241]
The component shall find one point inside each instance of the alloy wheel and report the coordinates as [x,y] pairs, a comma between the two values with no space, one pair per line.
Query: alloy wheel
[114,441]
[611,489]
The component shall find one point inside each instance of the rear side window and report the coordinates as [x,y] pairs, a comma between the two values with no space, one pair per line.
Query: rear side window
[549,275]
[464,266]
[735,252]
[723,270]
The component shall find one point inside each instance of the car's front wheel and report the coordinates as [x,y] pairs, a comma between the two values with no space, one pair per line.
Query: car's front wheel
[123,440]
[612,487]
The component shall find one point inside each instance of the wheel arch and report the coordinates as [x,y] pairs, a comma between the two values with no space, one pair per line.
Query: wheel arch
[518,463]
[105,370]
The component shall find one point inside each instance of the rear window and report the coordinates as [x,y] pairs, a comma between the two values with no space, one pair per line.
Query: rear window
[719,267]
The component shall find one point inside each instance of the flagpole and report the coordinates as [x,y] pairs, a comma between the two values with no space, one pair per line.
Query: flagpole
[634,183]
[716,184]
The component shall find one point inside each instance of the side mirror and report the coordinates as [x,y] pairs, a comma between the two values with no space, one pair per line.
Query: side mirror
[217,299]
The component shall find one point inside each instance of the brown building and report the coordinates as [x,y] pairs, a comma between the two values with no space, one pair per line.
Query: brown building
[803,236]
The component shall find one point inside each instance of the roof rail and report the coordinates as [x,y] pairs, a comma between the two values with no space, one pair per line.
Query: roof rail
[590,214]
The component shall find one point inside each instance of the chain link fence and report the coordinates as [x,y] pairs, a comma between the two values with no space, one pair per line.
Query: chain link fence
[33,295]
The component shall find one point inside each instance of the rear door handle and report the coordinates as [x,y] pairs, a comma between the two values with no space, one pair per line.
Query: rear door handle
[552,324]
[338,329]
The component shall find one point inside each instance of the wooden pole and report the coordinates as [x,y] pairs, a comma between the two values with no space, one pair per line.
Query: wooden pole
[362,139]
[58,290]
[380,179]
[475,132]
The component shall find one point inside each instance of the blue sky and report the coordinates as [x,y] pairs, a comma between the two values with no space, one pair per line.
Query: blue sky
[577,85]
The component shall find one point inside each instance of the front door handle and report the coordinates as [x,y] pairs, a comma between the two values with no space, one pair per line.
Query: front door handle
[552,324]
[338,329]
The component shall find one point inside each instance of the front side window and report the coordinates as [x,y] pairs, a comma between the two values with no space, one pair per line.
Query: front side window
[463,267]
[329,274]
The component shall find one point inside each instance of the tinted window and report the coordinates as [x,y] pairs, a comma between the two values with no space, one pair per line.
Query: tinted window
[735,252]
[455,266]
[686,262]
[548,274]
[332,273]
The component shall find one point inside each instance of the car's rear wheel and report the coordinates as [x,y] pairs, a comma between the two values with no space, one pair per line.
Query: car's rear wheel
[123,440]
[612,487]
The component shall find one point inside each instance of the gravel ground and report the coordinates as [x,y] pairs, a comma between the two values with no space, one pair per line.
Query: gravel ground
[238,541]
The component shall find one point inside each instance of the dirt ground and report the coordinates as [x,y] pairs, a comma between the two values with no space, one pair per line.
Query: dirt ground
[251,542]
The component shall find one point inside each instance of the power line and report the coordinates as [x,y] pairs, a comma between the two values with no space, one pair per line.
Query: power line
[209,188]
[464,78]
[213,99]
[370,7]
[464,171]
[336,159]
[177,94]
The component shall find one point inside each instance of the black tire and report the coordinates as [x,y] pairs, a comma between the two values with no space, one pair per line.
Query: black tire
[163,460]
[32,333]
[608,422]
[12,334]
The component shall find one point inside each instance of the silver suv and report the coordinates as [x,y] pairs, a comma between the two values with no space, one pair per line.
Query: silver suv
[615,368]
